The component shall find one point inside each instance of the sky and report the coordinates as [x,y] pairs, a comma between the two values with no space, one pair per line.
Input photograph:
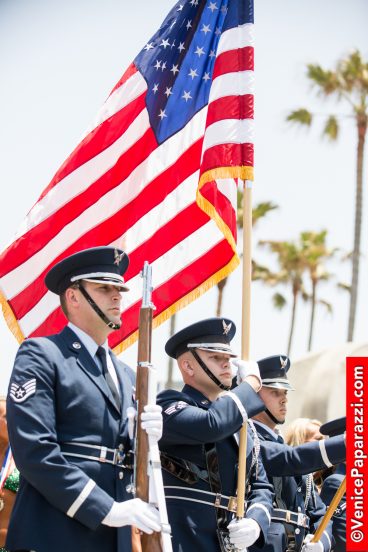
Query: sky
[58,62]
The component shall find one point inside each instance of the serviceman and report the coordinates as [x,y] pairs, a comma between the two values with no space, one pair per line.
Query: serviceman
[298,508]
[67,402]
[199,449]
[331,485]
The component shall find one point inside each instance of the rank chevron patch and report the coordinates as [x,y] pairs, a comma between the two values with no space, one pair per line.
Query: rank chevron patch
[19,393]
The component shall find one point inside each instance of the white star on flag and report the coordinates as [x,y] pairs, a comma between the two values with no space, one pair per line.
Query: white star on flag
[199,51]
[186,96]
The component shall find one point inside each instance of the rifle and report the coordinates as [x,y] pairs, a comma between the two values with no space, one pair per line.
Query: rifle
[147,469]
[330,511]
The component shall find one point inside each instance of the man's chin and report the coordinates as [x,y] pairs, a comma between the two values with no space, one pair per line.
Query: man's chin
[115,319]
[227,381]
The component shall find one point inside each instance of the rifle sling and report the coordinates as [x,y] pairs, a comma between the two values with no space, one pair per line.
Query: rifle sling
[215,482]
[186,471]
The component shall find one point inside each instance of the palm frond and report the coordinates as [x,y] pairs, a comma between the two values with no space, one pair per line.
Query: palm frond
[278,301]
[331,128]
[326,81]
[326,304]
[300,116]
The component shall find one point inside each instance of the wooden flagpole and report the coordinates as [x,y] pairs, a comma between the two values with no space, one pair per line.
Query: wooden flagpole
[245,335]
[330,511]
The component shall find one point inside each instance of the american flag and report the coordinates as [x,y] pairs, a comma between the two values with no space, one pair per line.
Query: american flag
[156,174]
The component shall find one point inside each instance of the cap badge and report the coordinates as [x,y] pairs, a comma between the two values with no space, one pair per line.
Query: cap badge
[283,362]
[227,327]
[118,256]
[76,345]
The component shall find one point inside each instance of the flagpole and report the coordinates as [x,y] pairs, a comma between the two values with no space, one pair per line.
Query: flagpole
[245,332]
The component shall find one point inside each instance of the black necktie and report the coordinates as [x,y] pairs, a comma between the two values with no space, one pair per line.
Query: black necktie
[101,354]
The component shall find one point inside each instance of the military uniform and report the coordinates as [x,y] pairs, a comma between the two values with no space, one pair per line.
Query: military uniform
[295,496]
[332,483]
[200,454]
[297,508]
[62,499]
[328,491]
[192,422]
[68,435]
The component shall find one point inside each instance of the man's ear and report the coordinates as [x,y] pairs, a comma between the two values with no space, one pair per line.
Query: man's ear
[186,366]
[72,297]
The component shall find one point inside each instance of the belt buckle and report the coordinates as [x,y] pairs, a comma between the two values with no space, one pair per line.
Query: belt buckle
[119,457]
[301,520]
[103,453]
[233,504]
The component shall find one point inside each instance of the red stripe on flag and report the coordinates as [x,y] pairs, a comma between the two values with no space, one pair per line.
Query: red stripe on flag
[228,155]
[231,107]
[222,205]
[101,138]
[176,288]
[183,225]
[233,61]
[128,73]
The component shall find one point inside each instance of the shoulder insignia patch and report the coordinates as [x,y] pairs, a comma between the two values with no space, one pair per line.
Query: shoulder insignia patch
[175,407]
[20,393]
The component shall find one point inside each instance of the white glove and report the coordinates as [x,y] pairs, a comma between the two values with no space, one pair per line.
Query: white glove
[246,368]
[134,512]
[151,420]
[243,532]
[311,546]
[131,415]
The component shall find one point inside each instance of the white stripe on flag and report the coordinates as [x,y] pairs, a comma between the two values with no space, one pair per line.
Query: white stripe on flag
[236,132]
[238,37]
[232,84]
[129,91]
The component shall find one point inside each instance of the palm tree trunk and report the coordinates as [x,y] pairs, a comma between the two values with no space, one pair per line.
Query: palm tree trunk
[170,365]
[311,326]
[220,286]
[362,129]
[295,296]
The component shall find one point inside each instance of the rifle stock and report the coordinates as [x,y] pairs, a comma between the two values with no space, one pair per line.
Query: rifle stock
[142,542]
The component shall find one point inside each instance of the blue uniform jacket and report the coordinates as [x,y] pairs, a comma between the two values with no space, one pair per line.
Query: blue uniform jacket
[281,459]
[191,421]
[62,396]
[284,466]
[329,488]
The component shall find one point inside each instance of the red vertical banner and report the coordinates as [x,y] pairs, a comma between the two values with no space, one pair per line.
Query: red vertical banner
[356,454]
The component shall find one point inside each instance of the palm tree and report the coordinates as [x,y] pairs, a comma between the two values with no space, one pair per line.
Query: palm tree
[258,212]
[348,82]
[292,265]
[315,252]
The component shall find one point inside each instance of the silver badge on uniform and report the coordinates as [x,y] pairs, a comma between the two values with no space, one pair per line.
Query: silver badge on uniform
[227,327]
[20,393]
[76,345]
[118,256]
[175,407]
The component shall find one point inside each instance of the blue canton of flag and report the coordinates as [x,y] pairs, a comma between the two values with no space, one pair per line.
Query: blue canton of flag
[177,63]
